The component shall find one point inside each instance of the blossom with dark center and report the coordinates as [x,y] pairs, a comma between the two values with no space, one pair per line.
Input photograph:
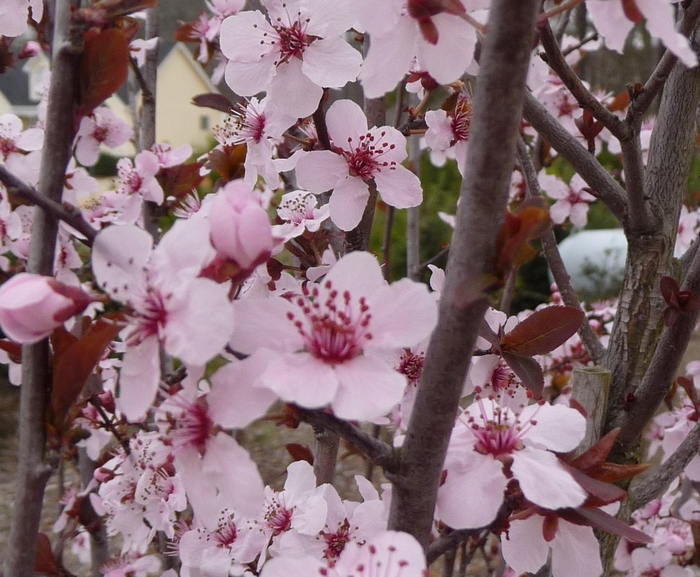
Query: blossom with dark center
[358,156]
[169,305]
[448,133]
[293,55]
[491,444]
[330,334]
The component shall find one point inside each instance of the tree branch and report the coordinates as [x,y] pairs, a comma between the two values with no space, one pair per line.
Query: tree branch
[484,196]
[551,252]
[585,99]
[34,469]
[72,217]
[376,451]
[584,163]
[661,371]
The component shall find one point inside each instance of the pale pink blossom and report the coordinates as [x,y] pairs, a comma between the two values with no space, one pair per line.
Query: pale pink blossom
[611,22]
[14,15]
[358,155]
[294,55]
[328,337]
[687,230]
[397,39]
[259,126]
[572,200]
[448,133]
[190,317]
[240,227]
[138,179]
[486,438]
[32,306]
[387,554]
[20,149]
[574,548]
[139,47]
[298,209]
[131,566]
[100,128]
[169,156]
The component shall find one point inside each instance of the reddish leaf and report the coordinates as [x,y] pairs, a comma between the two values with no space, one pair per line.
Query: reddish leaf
[549,527]
[12,349]
[428,30]
[214,101]
[620,102]
[612,472]
[487,333]
[61,340]
[300,452]
[630,9]
[600,493]
[599,519]
[543,331]
[669,290]
[44,561]
[528,370]
[178,181]
[103,67]
[596,455]
[75,364]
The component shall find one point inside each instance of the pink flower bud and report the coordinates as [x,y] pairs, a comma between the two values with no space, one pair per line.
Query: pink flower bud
[102,475]
[32,306]
[240,228]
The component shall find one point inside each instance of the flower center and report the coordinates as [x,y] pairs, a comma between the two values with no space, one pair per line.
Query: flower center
[335,331]
[278,517]
[499,434]
[411,365]
[190,426]
[462,119]
[244,124]
[297,208]
[335,542]
[7,147]
[150,316]
[365,158]
[226,532]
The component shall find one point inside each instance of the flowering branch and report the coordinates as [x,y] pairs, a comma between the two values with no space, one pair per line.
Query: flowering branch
[71,217]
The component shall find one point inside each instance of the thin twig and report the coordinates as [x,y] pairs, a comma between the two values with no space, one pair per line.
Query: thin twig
[582,161]
[378,452]
[585,99]
[556,264]
[71,217]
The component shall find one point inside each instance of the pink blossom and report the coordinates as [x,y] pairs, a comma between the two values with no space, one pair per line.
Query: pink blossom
[259,126]
[101,127]
[15,13]
[294,55]
[687,230]
[572,200]
[490,444]
[20,149]
[575,549]
[139,179]
[240,227]
[190,317]
[358,156]
[448,133]
[397,38]
[298,208]
[32,306]
[611,22]
[387,554]
[139,47]
[169,156]
[328,337]
[131,566]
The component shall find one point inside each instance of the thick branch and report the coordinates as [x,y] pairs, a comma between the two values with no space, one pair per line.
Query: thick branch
[657,484]
[659,376]
[376,451]
[551,252]
[484,195]
[585,99]
[583,162]
[33,470]
[71,217]
[633,163]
